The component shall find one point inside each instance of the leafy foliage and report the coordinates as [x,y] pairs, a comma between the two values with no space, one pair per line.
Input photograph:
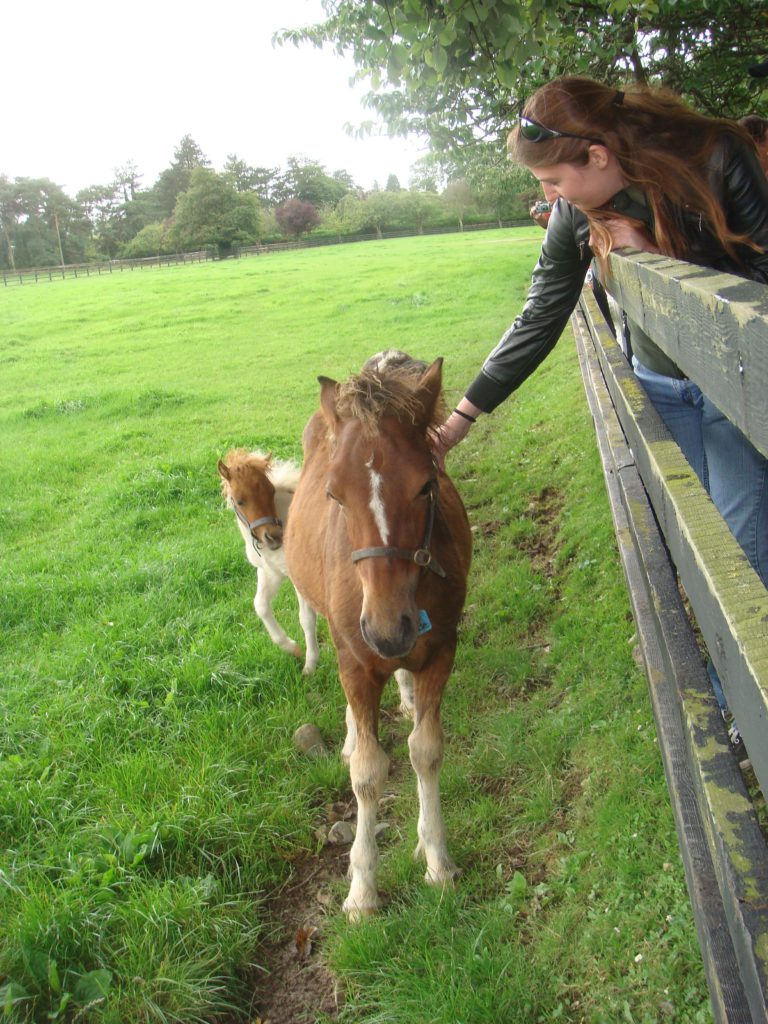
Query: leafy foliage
[212,212]
[296,217]
[459,69]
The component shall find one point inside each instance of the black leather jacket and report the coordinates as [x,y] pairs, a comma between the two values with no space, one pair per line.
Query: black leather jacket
[738,181]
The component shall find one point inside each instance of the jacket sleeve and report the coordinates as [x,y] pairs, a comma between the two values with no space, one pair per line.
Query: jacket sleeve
[745,202]
[555,288]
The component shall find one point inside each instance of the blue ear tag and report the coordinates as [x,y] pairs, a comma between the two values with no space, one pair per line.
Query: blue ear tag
[424,624]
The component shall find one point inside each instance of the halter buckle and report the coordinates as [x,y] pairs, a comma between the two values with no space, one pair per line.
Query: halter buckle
[422,557]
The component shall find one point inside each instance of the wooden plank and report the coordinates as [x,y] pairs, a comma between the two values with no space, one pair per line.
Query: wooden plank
[728,598]
[723,850]
[714,326]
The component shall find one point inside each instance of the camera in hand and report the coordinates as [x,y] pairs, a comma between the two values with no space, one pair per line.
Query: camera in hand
[542,207]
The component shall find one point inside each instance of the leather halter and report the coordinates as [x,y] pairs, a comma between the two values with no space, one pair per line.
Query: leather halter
[251,526]
[421,556]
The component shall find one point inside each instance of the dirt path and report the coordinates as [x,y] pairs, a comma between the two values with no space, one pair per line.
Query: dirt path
[295,985]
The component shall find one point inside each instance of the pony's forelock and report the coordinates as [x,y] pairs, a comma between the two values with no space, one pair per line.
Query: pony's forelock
[283,474]
[370,395]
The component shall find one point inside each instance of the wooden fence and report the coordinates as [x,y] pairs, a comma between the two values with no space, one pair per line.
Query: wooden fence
[71,270]
[96,269]
[715,327]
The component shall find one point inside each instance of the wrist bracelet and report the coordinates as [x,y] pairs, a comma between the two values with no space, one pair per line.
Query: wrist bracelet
[465,416]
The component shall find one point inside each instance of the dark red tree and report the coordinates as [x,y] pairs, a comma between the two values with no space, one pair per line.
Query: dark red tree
[296,217]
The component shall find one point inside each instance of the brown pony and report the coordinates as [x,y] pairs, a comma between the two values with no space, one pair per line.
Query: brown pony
[378,542]
[259,490]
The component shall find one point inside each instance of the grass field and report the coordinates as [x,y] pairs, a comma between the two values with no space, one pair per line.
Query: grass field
[151,802]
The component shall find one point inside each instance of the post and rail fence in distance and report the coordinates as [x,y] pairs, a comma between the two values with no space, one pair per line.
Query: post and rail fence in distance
[23,275]
[715,328]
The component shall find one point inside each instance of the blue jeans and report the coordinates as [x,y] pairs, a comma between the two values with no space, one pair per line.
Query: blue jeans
[731,470]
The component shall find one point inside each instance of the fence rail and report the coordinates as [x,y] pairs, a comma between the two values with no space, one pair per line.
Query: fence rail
[716,328]
[97,269]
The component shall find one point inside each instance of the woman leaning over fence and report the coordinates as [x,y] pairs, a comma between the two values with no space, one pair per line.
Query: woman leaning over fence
[641,170]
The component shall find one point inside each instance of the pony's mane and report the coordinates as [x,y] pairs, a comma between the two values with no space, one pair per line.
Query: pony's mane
[388,391]
[283,473]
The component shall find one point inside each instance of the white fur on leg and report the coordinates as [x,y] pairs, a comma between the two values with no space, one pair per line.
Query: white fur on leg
[368,770]
[426,747]
[308,620]
[405,684]
[350,740]
[266,589]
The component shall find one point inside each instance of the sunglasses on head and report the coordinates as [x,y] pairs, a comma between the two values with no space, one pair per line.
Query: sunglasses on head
[533,132]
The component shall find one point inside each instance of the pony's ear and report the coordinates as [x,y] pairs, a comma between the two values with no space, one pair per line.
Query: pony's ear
[428,393]
[328,393]
[223,469]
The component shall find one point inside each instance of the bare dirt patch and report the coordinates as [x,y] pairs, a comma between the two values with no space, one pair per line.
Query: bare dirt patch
[544,510]
[295,985]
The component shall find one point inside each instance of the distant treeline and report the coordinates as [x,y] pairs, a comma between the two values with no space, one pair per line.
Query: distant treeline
[191,207]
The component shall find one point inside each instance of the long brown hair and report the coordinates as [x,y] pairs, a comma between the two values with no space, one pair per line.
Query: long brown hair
[662,147]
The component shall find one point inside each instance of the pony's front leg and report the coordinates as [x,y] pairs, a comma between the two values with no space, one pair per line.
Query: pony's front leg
[426,749]
[267,587]
[350,739]
[368,769]
[405,685]
[308,620]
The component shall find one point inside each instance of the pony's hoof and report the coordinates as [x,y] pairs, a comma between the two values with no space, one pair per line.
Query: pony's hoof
[445,875]
[309,668]
[294,649]
[357,913]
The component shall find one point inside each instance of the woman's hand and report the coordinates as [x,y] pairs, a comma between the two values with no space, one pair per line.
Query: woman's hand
[626,235]
[540,217]
[447,435]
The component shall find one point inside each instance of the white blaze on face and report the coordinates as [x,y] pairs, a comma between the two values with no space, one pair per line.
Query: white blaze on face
[376,503]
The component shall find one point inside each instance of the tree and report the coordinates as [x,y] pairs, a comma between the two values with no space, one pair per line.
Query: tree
[347,217]
[189,156]
[160,201]
[296,217]
[307,180]
[420,209]
[152,240]
[393,185]
[127,179]
[427,174]
[502,189]
[459,69]
[459,198]
[10,211]
[240,175]
[381,210]
[49,227]
[212,212]
[104,208]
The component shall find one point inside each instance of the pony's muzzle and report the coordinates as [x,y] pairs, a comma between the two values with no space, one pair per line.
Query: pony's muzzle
[272,537]
[393,644]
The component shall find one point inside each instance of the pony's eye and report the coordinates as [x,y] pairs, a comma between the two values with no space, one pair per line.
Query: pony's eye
[332,497]
[426,490]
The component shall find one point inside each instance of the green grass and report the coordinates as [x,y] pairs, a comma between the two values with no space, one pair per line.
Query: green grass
[150,797]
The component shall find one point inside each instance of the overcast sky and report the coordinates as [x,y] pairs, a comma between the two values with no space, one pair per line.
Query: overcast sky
[92,84]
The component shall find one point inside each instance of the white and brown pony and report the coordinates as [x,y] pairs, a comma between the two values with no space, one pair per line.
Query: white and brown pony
[378,542]
[259,489]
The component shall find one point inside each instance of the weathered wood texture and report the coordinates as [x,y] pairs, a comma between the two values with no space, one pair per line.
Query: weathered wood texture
[714,326]
[724,853]
[728,598]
